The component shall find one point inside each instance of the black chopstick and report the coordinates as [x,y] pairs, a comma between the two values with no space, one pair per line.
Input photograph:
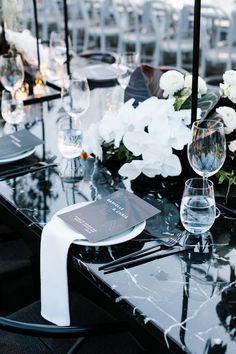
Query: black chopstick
[138,261]
[21,168]
[129,256]
[25,171]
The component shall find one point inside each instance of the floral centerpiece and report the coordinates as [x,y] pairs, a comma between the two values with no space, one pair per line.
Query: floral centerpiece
[146,139]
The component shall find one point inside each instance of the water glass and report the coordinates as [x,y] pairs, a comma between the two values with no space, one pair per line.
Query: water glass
[75,96]
[69,137]
[127,63]
[198,208]
[207,150]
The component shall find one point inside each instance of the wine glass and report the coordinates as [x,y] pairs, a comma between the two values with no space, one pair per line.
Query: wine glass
[198,207]
[58,47]
[75,96]
[12,109]
[11,72]
[127,63]
[207,149]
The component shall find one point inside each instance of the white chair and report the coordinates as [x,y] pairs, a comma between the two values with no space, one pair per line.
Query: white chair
[138,29]
[76,25]
[219,50]
[49,16]
[176,36]
[101,22]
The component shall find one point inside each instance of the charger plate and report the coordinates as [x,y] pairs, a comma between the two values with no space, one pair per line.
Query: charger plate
[17,157]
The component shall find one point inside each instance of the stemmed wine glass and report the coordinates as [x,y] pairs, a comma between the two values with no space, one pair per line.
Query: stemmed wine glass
[127,63]
[207,149]
[58,49]
[12,111]
[12,77]
[75,96]
[11,72]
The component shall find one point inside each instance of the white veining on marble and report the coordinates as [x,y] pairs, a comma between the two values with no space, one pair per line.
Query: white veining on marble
[195,313]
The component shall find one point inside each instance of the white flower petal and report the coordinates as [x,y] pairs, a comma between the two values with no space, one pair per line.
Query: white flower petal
[232,146]
[131,169]
[171,166]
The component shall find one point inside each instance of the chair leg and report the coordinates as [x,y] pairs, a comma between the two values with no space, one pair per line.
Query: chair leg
[77,345]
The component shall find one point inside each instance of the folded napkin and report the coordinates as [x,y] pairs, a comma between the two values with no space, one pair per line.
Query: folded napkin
[56,239]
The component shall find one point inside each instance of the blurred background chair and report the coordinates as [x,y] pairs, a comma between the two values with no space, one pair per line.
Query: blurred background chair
[218,42]
[138,30]
[101,24]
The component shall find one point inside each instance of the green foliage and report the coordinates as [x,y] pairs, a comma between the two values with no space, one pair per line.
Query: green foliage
[207,102]
[229,177]
[119,154]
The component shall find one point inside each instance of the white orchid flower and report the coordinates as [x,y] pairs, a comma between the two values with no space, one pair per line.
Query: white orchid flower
[92,142]
[180,135]
[171,166]
[131,169]
[232,146]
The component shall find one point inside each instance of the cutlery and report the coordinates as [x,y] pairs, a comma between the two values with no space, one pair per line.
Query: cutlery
[138,261]
[26,170]
[22,168]
[33,164]
[170,243]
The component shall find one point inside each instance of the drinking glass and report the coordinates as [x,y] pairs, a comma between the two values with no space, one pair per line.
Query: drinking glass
[207,150]
[12,109]
[11,72]
[69,137]
[127,63]
[58,47]
[198,208]
[75,96]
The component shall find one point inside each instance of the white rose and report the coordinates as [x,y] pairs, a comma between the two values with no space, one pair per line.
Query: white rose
[232,146]
[171,82]
[231,93]
[202,87]
[229,77]
[228,115]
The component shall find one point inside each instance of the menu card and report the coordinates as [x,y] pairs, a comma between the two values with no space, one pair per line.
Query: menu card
[116,213]
[17,143]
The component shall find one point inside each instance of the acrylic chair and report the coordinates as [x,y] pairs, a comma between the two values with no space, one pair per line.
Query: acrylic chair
[138,30]
[95,331]
[220,52]
[101,23]
[177,40]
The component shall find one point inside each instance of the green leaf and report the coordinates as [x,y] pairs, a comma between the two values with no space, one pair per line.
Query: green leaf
[207,102]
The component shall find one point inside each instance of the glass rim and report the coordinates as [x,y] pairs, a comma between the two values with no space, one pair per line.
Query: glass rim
[215,123]
[209,182]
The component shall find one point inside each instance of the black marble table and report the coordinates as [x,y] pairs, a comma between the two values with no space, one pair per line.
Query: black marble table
[185,302]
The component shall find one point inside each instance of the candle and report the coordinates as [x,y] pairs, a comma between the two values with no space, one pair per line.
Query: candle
[38,88]
[23,92]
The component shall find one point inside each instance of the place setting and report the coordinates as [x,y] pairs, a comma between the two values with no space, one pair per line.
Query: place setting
[18,146]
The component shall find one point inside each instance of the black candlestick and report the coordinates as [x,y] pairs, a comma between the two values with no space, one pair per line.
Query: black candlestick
[196,41]
[36,30]
[67,38]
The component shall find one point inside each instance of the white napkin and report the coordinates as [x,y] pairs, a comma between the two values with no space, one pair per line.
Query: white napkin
[56,239]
